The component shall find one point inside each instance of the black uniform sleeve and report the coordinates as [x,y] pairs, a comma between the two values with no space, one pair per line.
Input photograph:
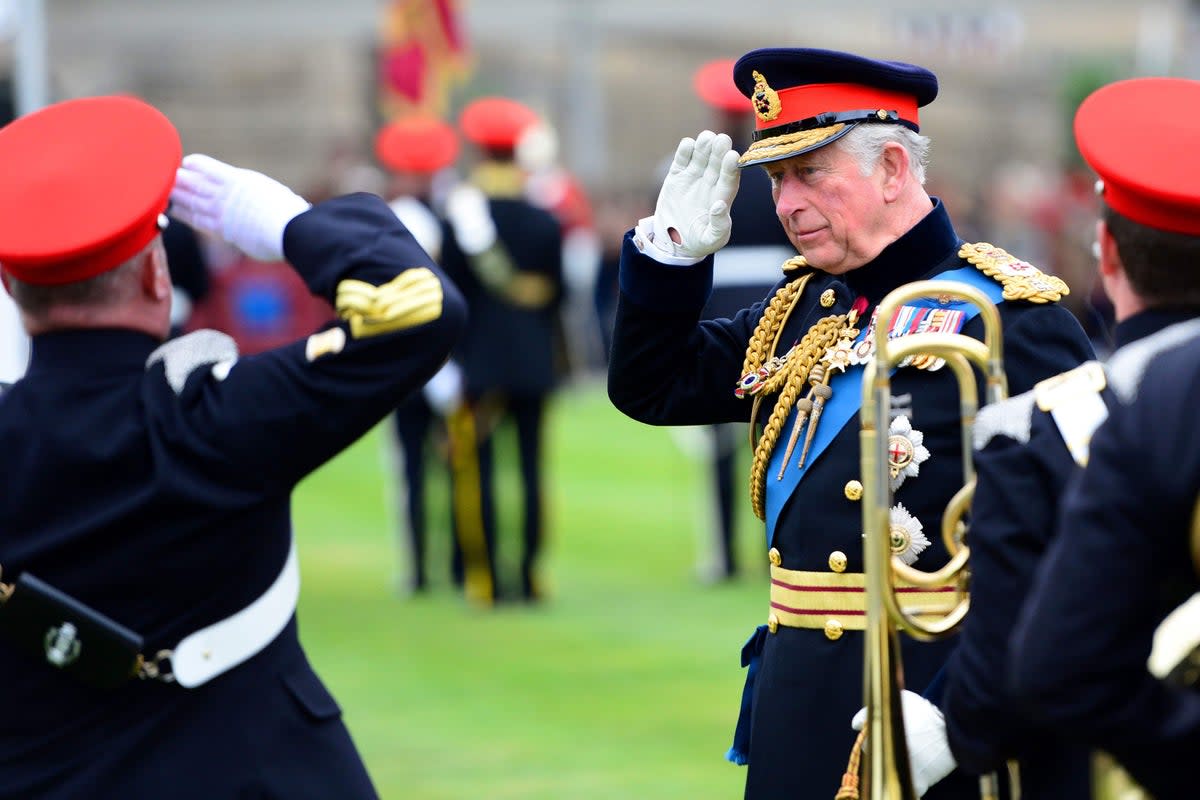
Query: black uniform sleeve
[270,419]
[1012,519]
[1118,565]
[666,366]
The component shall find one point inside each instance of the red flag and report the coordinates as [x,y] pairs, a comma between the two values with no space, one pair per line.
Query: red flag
[422,54]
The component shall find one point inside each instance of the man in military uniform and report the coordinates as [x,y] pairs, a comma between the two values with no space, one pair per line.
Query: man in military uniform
[838,135]
[506,255]
[414,150]
[148,645]
[1123,553]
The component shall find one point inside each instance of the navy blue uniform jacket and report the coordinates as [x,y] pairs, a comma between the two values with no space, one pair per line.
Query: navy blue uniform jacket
[669,368]
[1121,561]
[1017,499]
[510,348]
[167,508]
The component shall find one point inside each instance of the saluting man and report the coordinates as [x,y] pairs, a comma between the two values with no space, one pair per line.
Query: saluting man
[838,134]
[1124,553]
[148,645]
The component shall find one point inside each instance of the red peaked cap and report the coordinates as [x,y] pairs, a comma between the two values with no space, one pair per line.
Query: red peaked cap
[1140,137]
[83,184]
[496,123]
[422,144]
[714,83]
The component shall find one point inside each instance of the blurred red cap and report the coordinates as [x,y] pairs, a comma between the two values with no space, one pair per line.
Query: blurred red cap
[1140,137]
[421,143]
[84,182]
[495,123]
[714,83]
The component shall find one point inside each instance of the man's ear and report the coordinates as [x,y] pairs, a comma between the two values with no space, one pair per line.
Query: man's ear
[156,278]
[894,163]
[1108,256]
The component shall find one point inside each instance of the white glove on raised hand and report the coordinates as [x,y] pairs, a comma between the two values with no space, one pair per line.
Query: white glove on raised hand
[694,201]
[243,207]
[471,219]
[925,731]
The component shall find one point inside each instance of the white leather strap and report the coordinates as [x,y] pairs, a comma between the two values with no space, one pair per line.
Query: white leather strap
[210,651]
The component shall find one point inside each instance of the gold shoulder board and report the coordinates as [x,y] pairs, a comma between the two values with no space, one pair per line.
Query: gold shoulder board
[1020,279]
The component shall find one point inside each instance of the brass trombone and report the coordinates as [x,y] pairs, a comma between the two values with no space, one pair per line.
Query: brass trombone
[887,774]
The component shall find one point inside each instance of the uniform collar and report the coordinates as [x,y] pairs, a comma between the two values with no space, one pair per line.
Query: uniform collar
[913,256]
[1151,320]
[92,350]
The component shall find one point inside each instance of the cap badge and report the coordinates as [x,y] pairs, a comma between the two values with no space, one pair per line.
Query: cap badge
[765,99]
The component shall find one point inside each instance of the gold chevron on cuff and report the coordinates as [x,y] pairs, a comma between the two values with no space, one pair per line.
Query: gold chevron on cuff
[413,298]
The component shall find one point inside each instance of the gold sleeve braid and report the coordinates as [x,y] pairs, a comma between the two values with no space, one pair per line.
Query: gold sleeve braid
[412,298]
[788,375]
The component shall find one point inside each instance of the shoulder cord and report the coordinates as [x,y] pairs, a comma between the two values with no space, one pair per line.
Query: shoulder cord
[787,373]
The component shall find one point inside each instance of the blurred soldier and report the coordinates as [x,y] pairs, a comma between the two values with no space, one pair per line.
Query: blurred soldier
[1034,443]
[744,272]
[414,151]
[146,511]
[506,255]
[838,135]
[1123,555]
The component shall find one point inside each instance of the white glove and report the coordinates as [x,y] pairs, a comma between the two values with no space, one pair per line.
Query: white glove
[696,195]
[469,216]
[925,731]
[243,207]
[444,390]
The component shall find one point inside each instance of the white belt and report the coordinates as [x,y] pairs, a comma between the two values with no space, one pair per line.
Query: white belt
[208,652]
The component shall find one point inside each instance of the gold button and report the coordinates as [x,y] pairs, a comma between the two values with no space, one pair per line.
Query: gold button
[882,113]
[853,490]
[776,559]
[837,561]
[772,623]
[833,630]
[828,298]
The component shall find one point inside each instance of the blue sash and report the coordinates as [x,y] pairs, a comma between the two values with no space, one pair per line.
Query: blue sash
[847,399]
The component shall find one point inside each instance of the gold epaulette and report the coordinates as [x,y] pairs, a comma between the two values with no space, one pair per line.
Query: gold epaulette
[794,263]
[1020,279]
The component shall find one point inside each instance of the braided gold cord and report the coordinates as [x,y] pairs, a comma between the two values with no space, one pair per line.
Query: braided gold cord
[819,338]
[766,334]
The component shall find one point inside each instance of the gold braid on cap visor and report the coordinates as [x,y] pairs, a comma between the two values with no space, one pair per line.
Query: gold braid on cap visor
[776,147]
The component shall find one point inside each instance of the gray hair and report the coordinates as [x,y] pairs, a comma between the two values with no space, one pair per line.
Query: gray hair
[866,141]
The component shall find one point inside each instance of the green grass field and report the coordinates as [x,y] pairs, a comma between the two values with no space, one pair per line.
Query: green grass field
[625,684]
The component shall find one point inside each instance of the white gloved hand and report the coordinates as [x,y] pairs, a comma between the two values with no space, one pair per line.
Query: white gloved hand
[471,219]
[925,731]
[696,195]
[243,207]
[444,390]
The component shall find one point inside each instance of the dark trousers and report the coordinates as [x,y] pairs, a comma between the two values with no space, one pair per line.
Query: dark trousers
[415,425]
[526,412]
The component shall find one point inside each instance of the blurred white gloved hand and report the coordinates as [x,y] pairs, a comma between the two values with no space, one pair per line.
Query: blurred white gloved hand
[245,208]
[444,391]
[471,219]
[925,731]
[696,195]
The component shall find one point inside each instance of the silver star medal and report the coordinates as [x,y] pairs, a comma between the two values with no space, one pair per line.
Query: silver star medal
[906,535]
[906,451]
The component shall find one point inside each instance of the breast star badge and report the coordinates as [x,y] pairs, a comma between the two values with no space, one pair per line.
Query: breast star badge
[906,451]
[906,534]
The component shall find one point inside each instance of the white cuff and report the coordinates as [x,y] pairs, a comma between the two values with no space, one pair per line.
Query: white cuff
[650,243]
